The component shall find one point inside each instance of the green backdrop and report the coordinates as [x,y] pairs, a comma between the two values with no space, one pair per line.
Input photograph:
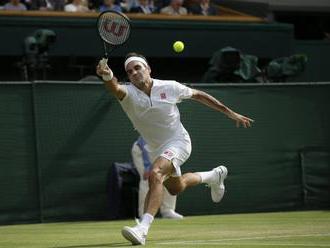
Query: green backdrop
[59,139]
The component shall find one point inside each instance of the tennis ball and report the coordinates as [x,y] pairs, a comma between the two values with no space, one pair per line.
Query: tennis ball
[178,46]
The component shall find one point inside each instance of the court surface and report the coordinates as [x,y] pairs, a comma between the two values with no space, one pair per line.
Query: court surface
[308,229]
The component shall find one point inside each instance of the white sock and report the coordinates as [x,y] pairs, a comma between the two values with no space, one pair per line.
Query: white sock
[206,176]
[146,220]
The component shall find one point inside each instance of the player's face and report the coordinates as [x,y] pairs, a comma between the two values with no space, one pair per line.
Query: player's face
[138,73]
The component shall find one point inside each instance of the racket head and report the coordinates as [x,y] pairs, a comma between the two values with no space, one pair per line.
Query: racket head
[114,28]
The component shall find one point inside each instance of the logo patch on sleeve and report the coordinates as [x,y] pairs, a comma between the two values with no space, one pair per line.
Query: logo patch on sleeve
[168,154]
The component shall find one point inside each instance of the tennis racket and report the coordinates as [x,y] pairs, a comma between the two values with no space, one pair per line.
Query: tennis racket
[114,29]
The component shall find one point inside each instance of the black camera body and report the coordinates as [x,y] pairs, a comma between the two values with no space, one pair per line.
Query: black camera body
[39,42]
[35,59]
[44,38]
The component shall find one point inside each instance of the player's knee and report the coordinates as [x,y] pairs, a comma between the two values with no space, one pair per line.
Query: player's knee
[176,188]
[155,177]
[173,191]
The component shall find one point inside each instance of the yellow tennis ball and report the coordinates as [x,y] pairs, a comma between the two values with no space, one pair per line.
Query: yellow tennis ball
[178,46]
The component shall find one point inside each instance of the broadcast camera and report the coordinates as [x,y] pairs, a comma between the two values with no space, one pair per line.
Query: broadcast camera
[44,38]
[35,57]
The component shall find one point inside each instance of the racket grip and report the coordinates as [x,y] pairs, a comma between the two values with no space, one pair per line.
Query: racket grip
[103,63]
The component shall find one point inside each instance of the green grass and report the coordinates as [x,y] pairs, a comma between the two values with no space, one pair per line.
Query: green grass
[289,229]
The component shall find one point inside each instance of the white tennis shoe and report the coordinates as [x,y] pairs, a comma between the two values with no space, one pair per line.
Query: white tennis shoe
[136,235]
[217,186]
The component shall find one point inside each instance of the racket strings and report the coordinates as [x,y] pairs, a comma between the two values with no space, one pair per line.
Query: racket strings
[114,28]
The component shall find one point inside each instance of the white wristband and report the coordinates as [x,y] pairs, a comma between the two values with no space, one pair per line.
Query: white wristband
[108,77]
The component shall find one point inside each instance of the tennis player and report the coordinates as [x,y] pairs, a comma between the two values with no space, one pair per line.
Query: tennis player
[150,104]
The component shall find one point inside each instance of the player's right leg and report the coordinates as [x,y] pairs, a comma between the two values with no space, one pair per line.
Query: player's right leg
[214,179]
[175,184]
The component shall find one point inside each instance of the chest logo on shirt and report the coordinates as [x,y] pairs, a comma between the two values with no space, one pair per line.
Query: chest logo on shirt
[162,95]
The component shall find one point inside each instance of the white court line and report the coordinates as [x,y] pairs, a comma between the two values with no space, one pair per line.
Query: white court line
[223,241]
[267,244]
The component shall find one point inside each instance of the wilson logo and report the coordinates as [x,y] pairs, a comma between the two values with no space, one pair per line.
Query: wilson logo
[115,28]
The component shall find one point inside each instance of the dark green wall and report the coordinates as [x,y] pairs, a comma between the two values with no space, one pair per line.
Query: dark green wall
[58,141]
[265,161]
[19,191]
[318,53]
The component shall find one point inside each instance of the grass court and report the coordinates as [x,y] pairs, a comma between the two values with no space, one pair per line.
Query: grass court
[307,229]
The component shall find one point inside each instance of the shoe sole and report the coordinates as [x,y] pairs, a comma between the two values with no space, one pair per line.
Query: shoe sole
[224,175]
[131,236]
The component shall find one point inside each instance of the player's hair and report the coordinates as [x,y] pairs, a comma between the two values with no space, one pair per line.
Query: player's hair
[133,54]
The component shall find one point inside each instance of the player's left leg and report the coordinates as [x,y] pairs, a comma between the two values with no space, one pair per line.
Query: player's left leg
[161,169]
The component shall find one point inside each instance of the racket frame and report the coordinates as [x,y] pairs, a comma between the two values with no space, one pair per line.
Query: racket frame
[109,47]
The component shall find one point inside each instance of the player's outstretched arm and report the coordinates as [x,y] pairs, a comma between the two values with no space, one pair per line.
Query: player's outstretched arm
[110,81]
[213,103]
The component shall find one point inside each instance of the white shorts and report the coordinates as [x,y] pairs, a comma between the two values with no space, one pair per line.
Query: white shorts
[177,151]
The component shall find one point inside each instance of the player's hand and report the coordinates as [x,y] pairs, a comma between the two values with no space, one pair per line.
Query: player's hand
[103,70]
[102,67]
[241,120]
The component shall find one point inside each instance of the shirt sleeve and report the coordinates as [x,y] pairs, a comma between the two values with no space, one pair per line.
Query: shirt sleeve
[126,91]
[126,102]
[182,91]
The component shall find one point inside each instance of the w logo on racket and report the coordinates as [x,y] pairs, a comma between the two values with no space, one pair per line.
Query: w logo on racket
[115,28]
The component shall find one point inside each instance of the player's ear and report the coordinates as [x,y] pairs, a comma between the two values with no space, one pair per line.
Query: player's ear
[149,69]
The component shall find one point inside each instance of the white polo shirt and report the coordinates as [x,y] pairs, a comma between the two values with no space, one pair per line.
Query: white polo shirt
[157,117]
